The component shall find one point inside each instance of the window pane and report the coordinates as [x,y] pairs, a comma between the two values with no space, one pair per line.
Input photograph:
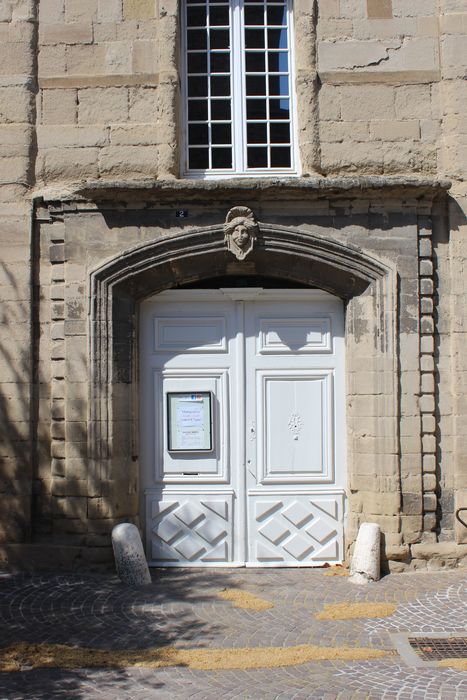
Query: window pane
[219,39]
[280,157]
[278,85]
[254,14]
[220,85]
[256,109]
[279,133]
[198,86]
[196,16]
[254,38]
[220,62]
[278,61]
[197,39]
[198,134]
[198,158]
[277,38]
[197,62]
[257,157]
[279,109]
[255,85]
[257,133]
[255,61]
[197,110]
[220,110]
[277,15]
[221,133]
[221,157]
[219,15]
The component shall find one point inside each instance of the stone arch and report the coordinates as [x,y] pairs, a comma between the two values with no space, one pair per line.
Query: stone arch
[366,284]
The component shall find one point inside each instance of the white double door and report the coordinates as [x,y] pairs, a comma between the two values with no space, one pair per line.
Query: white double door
[242,427]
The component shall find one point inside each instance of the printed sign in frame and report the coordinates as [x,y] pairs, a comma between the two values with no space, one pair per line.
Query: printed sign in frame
[189,421]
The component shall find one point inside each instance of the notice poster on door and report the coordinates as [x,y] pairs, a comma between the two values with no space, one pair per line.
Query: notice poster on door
[189,421]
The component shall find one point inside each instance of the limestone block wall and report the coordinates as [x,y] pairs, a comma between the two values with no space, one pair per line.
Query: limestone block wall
[89,91]
[107,75]
[87,477]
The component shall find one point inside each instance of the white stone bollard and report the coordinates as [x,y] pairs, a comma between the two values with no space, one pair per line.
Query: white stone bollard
[130,561]
[365,564]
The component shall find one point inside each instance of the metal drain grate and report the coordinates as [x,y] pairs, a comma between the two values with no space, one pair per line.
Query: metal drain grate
[435,648]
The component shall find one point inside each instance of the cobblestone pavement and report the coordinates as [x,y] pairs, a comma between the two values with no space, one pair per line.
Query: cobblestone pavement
[181,608]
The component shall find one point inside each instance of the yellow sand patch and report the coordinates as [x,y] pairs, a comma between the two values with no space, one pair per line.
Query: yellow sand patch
[350,611]
[458,664]
[66,657]
[245,600]
[337,570]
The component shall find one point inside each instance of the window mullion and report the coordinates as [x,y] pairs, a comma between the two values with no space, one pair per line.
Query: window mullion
[238,88]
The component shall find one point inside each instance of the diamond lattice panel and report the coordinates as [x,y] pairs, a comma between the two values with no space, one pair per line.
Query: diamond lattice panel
[190,529]
[296,530]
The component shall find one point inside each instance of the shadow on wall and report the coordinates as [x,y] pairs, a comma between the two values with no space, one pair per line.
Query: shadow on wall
[16,468]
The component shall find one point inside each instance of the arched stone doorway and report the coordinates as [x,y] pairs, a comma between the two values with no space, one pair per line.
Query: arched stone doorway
[366,285]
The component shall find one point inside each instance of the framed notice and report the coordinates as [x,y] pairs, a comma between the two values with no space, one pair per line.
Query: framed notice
[189,421]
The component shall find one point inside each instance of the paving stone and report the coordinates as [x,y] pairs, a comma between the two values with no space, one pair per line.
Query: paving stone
[181,608]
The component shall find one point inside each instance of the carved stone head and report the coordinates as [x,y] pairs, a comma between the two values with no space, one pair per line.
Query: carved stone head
[240,231]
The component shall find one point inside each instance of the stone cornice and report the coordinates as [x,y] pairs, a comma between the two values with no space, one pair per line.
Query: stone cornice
[285,189]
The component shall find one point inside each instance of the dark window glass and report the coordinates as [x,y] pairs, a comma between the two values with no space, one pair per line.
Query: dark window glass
[277,15]
[220,110]
[197,39]
[198,86]
[220,86]
[221,157]
[257,133]
[254,14]
[279,133]
[198,158]
[221,133]
[279,109]
[278,85]
[278,61]
[277,38]
[280,157]
[257,157]
[254,38]
[197,62]
[255,61]
[198,134]
[220,63]
[197,110]
[196,16]
[255,85]
[219,16]
[219,38]
[256,109]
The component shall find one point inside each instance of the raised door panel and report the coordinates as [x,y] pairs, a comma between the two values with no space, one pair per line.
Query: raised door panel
[194,466]
[295,529]
[196,334]
[295,427]
[297,335]
[189,529]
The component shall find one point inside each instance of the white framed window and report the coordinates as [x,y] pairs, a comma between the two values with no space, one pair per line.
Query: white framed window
[237,88]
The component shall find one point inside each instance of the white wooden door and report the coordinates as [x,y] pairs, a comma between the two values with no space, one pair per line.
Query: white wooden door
[270,490]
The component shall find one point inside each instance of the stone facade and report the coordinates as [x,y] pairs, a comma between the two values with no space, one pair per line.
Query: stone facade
[89,189]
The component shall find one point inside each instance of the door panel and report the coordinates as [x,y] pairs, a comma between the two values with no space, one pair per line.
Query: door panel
[294,529]
[270,492]
[294,427]
[188,528]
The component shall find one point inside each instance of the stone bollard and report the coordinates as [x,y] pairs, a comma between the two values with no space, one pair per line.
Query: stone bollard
[130,561]
[365,564]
